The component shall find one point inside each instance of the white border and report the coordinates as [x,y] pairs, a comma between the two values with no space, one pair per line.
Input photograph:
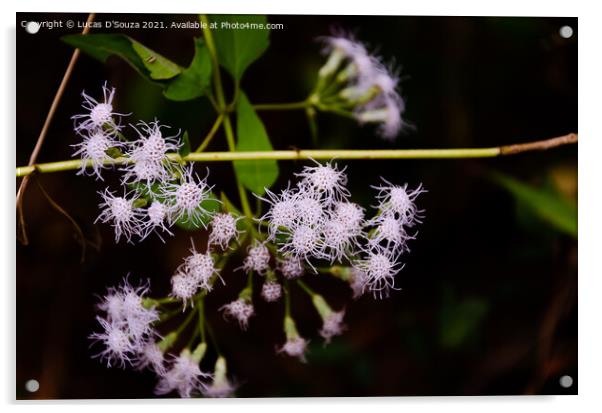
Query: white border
[590,271]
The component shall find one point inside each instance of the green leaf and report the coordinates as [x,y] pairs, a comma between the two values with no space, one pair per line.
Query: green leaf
[548,205]
[185,148]
[252,136]
[145,61]
[158,66]
[237,48]
[195,79]
[114,152]
[211,205]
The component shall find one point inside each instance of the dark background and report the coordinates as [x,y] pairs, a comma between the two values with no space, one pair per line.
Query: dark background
[489,295]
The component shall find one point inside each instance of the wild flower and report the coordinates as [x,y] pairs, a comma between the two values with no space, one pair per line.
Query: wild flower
[150,356]
[399,200]
[99,113]
[380,266]
[271,291]
[291,267]
[119,347]
[282,212]
[157,218]
[93,149]
[185,197]
[294,347]
[240,310]
[332,325]
[389,232]
[327,181]
[371,88]
[184,376]
[127,324]
[200,268]
[258,258]
[125,217]
[148,155]
[220,386]
[223,230]
[183,286]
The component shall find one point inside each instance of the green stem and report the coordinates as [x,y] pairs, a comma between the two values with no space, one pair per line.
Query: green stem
[305,288]
[185,323]
[282,106]
[318,154]
[221,101]
[211,134]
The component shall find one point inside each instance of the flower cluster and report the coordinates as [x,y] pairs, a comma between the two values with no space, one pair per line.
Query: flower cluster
[129,338]
[127,324]
[363,83]
[311,226]
[315,220]
[157,191]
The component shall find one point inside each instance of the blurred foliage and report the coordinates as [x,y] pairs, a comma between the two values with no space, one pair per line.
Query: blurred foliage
[547,203]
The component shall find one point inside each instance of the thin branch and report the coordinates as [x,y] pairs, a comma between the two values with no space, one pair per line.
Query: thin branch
[36,150]
[316,154]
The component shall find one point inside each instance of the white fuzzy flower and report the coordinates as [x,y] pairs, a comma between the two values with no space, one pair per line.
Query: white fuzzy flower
[240,310]
[351,214]
[148,155]
[124,308]
[337,239]
[223,230]
[125,218]
[184,376]
[332,325]
[99,114]
[119,348]
[257,259]
[371,86]
[183,286]
[93,150]
[185,197]
[157,218]
[291,267]
[400,201]
[282,213]
[309,209]
[150,356]
[357,282]
[304,242]
[380,267]
[200,268]
[390,232]
[271,291]
[326,181]
[295,347]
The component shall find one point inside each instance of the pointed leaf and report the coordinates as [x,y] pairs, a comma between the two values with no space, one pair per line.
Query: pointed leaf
[195,79]
[185,148]
[549,206]
[238,47]
[252,136]
[145,61]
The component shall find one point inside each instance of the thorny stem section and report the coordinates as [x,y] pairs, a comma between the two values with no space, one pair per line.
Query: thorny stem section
[327,154]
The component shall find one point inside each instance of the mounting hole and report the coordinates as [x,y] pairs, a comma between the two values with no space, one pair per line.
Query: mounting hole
[566,32]
[32,385]
[566,381]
